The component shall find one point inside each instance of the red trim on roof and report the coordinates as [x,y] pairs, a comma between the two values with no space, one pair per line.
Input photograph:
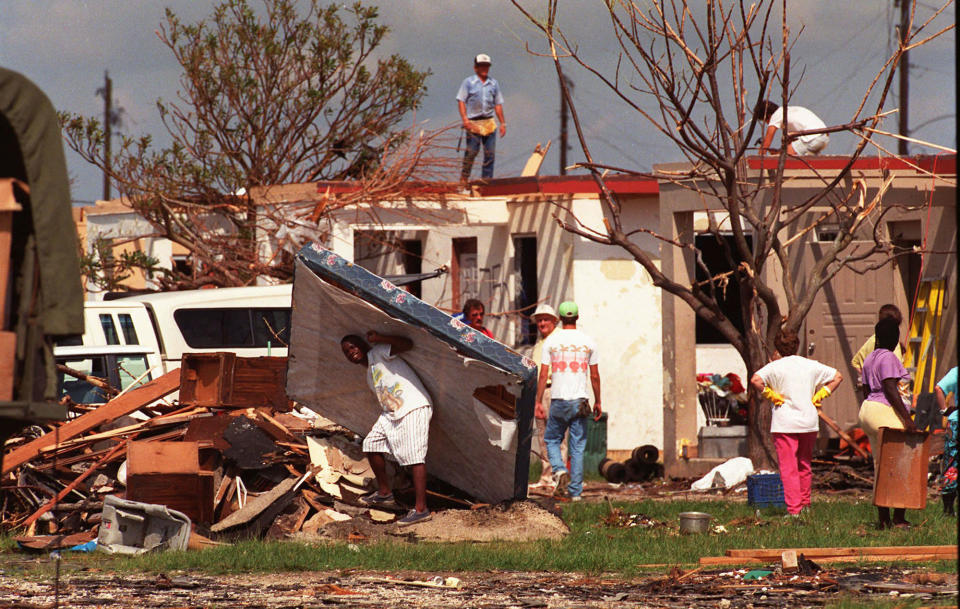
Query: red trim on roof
[554,185]
[940,164]
[568,185]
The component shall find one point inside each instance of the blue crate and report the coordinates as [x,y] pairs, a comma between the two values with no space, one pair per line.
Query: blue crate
[765,490]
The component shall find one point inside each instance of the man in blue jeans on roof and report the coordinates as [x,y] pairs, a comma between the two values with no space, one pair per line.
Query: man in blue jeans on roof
[569,359]
[478,99]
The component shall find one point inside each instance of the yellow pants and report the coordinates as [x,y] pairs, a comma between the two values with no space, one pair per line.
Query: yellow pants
[873,416]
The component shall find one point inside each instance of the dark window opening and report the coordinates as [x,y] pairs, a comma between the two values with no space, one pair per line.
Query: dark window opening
[413,263]
[109,329]
[183,265]
[234,328]
[126,326]
[464,274]
[525,266]
[729,297]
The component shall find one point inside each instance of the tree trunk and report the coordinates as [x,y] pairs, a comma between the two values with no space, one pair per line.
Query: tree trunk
[759,440]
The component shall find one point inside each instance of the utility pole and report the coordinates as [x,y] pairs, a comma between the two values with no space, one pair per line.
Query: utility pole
[904,77]
[107,128]
[564,112]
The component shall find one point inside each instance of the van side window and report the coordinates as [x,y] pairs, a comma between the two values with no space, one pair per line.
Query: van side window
[236,328]
[126,326]
[271,325]
[109,329]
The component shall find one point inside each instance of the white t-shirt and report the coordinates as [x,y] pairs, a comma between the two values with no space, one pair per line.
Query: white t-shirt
[396,385]
[569,353]
[796,379]
[799,119]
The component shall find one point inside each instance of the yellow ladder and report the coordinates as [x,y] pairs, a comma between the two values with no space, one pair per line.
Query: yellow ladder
[921,356]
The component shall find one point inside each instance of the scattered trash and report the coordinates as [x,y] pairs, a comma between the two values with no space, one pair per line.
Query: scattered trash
[756,574]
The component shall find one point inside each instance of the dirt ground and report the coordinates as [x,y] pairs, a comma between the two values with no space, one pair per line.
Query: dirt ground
[497,590]
[521,521]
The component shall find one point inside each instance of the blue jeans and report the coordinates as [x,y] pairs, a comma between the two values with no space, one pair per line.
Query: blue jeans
[474,141]
[563,416]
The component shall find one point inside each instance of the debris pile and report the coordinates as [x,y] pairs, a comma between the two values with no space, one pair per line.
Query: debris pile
[232,454]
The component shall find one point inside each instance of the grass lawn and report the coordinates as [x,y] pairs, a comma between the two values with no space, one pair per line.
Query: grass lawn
[591,547]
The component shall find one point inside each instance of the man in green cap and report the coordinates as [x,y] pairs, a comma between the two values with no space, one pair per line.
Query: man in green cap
[569,359]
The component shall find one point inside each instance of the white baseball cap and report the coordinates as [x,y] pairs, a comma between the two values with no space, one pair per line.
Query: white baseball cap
[482,58]
[545,309]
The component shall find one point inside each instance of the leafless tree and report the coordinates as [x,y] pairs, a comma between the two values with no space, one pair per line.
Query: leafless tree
[696,71]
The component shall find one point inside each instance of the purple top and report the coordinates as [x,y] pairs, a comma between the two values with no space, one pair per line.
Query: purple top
[879,365]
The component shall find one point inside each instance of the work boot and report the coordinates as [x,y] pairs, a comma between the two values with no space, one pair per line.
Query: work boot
[948,500]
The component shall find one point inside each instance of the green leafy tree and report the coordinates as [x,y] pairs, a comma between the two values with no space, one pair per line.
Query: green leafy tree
[294,93]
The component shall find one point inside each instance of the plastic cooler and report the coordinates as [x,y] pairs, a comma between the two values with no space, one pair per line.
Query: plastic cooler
[765,490]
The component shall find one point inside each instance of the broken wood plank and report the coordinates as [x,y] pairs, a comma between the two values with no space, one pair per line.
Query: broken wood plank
[846,438]
[814,553]
[716,561]
[275,428]
[290,521]
[122,405]
[255,506]
[76,482]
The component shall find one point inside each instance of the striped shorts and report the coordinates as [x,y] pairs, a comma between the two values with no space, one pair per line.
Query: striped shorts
[404,439]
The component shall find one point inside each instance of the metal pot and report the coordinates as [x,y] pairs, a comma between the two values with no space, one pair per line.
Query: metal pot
[694,522]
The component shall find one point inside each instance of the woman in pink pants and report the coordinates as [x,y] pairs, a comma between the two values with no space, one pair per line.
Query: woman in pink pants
[796,386]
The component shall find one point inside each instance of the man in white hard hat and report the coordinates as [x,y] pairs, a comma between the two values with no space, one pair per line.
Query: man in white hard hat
[478,99]
[546,320]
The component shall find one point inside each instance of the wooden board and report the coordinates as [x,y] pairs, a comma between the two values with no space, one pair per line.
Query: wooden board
[812,553]
[191,494]
[902,472]
[716,561]
[8,344]
[114,409]
[148,457]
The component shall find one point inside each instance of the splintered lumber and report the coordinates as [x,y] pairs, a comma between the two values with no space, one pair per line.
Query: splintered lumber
[815,553]
[123,405]
[66,491]
[846,438]
[717,561]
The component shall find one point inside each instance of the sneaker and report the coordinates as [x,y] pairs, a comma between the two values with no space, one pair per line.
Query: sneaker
[413,517]
[562,481]
[577,498]
[376,499]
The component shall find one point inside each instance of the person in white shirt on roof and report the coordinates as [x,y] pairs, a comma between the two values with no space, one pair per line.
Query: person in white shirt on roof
[569,359]
[798,119]
[796,386]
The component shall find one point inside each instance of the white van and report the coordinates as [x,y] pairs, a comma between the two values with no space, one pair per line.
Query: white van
[250,322]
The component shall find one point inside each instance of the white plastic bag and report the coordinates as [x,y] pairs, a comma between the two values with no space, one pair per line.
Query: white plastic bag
[727,475]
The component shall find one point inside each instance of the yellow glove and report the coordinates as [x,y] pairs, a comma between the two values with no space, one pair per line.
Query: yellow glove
[823,392]
[773,396]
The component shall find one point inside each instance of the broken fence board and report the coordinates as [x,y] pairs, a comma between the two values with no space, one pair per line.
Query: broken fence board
[115,408]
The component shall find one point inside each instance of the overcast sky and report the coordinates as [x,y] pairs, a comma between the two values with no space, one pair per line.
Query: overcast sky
[65,45]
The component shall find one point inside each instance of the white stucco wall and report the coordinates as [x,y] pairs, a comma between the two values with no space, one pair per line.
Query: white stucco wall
[620,308]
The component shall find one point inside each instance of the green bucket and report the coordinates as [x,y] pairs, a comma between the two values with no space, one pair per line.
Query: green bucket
[596,450]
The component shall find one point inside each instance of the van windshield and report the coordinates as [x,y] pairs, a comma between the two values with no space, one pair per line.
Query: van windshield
[234,327]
